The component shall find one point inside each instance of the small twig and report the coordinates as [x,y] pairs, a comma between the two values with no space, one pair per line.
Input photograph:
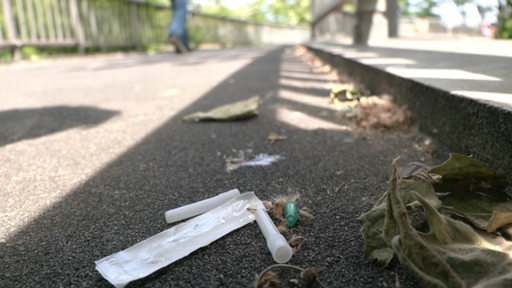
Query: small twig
[289,266]
[397,280]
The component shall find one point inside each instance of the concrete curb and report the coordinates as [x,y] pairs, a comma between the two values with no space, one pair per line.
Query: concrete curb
[463,124]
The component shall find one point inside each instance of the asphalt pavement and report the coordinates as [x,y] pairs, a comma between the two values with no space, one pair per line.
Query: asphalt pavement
[93,152]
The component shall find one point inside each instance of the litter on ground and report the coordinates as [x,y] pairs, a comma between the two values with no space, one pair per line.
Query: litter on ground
[374,112]
[234,111]
[286,210]
[467,213]
[356,102]
[258,160]
[164,248]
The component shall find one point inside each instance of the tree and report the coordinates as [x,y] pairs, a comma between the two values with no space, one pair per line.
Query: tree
[504,26]
[217,8]
[289,12]
[163,2]
[417,8]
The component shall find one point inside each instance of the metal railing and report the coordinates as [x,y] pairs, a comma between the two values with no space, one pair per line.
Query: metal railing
[420,27]
[104,24]
[332,22]
[228,32]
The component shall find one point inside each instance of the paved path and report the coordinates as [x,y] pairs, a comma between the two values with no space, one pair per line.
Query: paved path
[93,153]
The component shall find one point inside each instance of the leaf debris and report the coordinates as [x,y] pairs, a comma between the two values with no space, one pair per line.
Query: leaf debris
[309,276]
[465,210]
[276,209]
[274,137]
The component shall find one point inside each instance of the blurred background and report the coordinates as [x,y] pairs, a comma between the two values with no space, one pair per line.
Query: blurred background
[30,29]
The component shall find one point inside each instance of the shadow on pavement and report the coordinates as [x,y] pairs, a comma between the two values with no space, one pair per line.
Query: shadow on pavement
[452,71]
[23,124]
[337,174]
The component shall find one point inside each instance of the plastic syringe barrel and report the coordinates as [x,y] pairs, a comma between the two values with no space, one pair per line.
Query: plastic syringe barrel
[199,207]
[277,244]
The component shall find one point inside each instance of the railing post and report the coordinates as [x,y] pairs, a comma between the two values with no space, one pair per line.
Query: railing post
[321,10]
[392,12]
[11,30]
[77,25]
[364,14]
[312,34]
[136,36]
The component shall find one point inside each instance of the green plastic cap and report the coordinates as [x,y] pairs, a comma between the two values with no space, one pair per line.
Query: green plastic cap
[291,213]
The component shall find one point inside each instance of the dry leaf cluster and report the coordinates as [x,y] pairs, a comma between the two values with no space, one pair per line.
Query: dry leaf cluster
[467,213]
[370,112]
[380,112]
[276,209]
[270,279]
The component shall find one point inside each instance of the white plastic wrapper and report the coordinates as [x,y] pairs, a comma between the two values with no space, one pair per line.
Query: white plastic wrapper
[258,160]
[166,247]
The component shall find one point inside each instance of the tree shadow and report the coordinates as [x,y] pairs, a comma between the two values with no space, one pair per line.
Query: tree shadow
[22,124]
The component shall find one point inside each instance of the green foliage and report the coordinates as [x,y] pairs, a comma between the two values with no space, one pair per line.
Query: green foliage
[5,55]
[154,48]
[30,53]
[287,12]
[420,9]
[349,7]
[215,7]
[504,25]
[162,2]
[504,28]
[291,12]
[195,37]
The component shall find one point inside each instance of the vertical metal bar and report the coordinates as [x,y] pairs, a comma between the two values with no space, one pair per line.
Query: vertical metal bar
[11,29]
[313,24]
[102,27]
[116,21]
[32,20]
[77,25]
[49,20]
[65,19]
[58,19]
[392,17]
[1,33]
[40,20]
[10,26]
[93,22]
[134,8]
[21,17]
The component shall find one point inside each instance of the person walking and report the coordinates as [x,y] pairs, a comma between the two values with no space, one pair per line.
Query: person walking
[178,34]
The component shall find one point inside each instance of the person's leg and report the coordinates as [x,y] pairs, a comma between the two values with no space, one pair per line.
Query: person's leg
[178,27]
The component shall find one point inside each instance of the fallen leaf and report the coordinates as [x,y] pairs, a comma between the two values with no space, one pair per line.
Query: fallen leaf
[461,173]
[476,192]
[452,253]
[229,112]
